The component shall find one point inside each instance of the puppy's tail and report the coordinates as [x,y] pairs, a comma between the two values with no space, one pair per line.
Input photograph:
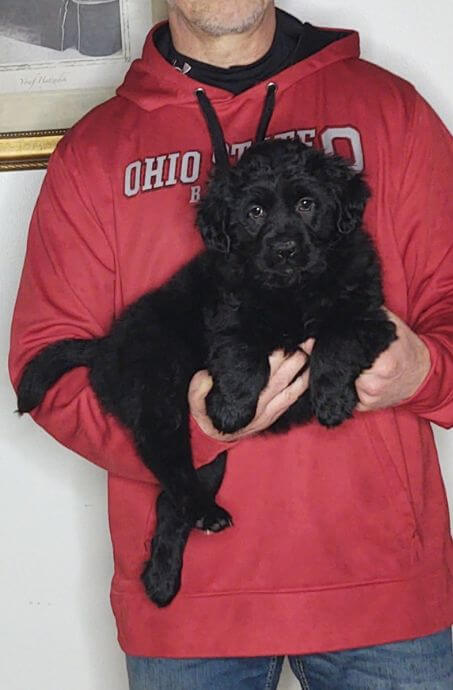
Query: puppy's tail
[45,369]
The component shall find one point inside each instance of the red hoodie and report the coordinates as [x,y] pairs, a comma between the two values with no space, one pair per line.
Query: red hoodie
[341,537]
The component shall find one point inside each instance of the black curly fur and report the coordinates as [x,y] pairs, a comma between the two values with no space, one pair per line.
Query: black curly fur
[276,271]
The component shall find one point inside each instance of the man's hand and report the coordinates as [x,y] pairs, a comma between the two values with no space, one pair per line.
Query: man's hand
[281,392]
[397,372]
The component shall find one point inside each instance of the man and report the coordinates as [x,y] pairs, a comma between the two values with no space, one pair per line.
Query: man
[341,555]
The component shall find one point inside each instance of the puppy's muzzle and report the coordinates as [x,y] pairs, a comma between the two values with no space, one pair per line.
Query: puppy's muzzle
[285,249]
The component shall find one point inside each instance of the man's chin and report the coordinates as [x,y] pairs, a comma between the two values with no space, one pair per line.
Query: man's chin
[225,18]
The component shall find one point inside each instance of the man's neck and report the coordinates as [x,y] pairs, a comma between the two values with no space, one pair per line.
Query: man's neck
[223,51]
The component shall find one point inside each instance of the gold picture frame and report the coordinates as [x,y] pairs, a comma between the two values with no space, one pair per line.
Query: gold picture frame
[28,150]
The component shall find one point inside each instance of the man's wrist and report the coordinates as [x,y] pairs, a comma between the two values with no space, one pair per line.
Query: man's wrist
[423,363]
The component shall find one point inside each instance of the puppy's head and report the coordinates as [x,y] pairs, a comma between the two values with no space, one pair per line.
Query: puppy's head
[281,210]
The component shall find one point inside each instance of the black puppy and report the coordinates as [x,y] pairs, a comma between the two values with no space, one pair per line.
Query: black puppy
[286,259]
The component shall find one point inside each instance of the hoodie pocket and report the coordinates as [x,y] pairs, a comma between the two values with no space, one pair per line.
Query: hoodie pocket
[339,515]
[376,428]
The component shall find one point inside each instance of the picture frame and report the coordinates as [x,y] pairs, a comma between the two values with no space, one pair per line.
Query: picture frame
[54,67]
[27,150]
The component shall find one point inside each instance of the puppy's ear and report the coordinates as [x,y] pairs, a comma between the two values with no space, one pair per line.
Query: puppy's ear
[213,215]
[351,203]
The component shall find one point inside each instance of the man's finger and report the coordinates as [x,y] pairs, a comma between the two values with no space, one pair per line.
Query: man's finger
[276,360]
[360,407]
[283,376]
[280,402]
[307,346]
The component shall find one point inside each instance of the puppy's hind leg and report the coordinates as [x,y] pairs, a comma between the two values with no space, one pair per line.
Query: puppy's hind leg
[162,573]
[167,453]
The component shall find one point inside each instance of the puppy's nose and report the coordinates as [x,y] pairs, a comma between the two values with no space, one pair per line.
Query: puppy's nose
[285,249]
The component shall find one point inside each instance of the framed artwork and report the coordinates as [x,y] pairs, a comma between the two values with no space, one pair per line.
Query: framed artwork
[59,59]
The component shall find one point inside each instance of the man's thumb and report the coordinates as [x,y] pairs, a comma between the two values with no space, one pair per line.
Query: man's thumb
[199,387]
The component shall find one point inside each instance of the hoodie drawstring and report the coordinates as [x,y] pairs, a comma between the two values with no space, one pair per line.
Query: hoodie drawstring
[215,128]
[268,109]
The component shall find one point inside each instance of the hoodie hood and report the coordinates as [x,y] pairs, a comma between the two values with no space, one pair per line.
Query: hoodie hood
[152,82]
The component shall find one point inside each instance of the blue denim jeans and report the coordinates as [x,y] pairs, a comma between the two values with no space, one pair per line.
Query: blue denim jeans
[425,663]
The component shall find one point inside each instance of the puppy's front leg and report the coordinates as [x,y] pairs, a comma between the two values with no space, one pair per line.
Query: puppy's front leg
[338,358]
[239,376]
[335,364]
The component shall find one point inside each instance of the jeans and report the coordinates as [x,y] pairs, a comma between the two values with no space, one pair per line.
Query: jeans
[425,663]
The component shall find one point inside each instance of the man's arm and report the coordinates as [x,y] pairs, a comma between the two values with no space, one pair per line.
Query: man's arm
[67,290]
[416,372]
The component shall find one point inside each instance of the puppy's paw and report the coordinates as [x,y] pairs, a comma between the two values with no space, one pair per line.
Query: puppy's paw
[375,338]
[228,416]
[162,579]
[214,519]
[334,407]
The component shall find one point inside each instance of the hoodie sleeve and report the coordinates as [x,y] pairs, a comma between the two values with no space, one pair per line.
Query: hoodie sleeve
[67,290]
[424,226]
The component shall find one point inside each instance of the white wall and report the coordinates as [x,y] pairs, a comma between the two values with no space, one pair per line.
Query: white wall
[56,628]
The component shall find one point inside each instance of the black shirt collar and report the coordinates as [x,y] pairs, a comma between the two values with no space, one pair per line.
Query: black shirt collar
[293,41]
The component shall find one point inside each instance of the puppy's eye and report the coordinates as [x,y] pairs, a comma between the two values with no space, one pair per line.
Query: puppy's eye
[256,212]
[305,205]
